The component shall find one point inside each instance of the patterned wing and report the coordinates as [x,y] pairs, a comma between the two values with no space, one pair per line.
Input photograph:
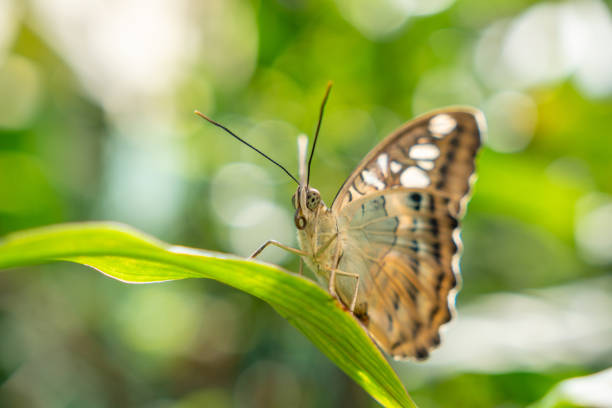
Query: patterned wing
[398,228]
[435,151]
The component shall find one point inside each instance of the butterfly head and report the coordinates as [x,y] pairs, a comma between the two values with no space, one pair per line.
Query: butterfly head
[306,202]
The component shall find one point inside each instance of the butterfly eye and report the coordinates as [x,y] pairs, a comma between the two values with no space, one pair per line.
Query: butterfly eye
[313,199]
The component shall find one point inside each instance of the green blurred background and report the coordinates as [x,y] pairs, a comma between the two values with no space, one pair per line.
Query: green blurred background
[96,123]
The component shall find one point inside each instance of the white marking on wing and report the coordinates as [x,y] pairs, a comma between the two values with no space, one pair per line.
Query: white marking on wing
[414,177]
[370,178]
[395,167]
[424,152]
[383,163]
[441,125]
[425,164]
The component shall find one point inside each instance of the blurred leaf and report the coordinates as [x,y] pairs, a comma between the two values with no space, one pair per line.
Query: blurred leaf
[521,187]
[130,256]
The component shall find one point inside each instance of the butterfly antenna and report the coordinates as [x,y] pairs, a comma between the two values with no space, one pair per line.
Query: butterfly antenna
[314,143]
[200,114]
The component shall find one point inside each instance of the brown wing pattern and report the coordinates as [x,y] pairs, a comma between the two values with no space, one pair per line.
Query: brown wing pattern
[435,150]
[401,244]
[398,223]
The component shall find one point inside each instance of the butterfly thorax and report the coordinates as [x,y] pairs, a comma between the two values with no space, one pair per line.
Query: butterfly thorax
[319,240]
[317,231]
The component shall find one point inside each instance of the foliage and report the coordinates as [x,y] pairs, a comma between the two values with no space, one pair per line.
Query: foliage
[130,256]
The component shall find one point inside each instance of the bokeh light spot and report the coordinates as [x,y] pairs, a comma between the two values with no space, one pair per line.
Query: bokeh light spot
[159,320]
[511,119]
[234,187]
[21,89]
[594,229]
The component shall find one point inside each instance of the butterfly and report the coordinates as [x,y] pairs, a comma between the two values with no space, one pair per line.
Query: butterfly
[388,247]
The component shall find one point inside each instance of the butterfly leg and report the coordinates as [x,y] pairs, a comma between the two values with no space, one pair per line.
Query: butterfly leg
[278,244]
[332,285]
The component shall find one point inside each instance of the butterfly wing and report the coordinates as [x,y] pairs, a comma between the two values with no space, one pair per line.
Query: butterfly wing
[398,227]
[434,150]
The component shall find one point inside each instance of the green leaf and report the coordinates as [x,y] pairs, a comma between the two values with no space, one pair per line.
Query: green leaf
[128,255]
